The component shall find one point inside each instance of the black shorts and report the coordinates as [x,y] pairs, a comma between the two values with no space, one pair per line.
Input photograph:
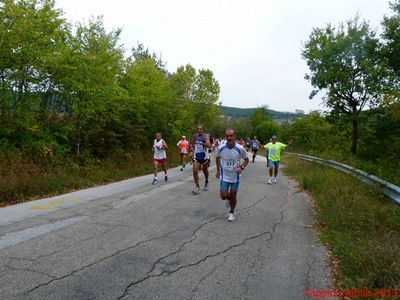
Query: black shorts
[254,150]
[201,161]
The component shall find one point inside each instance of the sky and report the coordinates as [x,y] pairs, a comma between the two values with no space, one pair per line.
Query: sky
[253,47]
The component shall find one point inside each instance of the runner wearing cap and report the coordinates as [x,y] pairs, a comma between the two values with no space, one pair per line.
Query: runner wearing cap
[274,149]
[183,146]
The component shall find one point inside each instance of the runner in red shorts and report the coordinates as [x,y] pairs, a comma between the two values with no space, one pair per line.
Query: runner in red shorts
[159,156]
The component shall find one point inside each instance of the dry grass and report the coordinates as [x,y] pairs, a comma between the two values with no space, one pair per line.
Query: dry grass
[23,180]
[360,226]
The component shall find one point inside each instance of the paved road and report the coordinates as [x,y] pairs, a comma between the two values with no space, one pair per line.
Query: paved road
[132,240]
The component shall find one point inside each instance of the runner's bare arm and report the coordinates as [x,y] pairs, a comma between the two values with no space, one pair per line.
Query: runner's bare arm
[242,166]
[218,163]
[190,148]
[207,143]
[164,146]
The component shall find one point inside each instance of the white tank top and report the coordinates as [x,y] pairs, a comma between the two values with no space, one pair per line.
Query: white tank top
[158,152]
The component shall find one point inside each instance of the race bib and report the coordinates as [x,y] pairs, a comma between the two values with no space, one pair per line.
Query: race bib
[230,163]
[198,148]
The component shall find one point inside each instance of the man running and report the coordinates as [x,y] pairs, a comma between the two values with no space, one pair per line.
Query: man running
[183,146]
[254,143]
[198,153]
[229,170]
[274,150]
[159,156]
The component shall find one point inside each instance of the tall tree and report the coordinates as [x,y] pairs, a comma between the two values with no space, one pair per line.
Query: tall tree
[182,83]
[149,98]
[391,52]
[391,34]
[344,63]
[205,97]
[31,37]
[93,68]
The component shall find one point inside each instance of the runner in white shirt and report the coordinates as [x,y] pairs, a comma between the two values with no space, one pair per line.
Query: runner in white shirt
[229,169]
[159,156]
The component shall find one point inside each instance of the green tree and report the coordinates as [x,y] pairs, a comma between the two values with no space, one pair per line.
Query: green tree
[205,98]
[182,83]
[391,54]
[344,63]
[90,81]
[31,33]
[391,35]
[262,124]
[149,98]
[311,133]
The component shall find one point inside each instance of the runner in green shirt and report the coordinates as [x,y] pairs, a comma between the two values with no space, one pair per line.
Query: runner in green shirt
[274,150]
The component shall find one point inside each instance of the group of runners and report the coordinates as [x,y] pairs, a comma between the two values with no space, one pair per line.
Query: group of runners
[231,160]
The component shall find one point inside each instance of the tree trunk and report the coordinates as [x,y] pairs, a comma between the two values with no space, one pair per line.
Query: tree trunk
[354,134]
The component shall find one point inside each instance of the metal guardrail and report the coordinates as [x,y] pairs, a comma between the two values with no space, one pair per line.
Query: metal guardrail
[389,189]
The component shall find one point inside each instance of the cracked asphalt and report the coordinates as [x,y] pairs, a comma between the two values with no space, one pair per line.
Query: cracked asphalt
[161,242]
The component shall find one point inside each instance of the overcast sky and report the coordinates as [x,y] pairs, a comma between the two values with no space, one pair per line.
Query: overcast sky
[253,47]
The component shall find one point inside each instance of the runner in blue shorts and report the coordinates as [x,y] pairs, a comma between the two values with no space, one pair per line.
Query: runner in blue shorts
[229,168]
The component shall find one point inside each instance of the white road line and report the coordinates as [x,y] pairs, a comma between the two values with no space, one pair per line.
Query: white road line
[140,197]
[14,238]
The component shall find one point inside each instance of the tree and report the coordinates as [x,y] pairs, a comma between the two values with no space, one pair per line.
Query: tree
[391,34]
[205,97]
[344,63]
[262,124]
[31,37]
[89,78]
[311,132]
[182,84]
[149,106]
[391,54]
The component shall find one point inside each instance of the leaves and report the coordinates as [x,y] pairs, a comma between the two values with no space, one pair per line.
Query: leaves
[71,88]
[345,63]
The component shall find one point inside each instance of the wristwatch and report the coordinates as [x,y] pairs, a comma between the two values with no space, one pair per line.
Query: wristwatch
[242,167]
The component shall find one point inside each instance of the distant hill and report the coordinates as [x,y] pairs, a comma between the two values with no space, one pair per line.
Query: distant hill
[236,112]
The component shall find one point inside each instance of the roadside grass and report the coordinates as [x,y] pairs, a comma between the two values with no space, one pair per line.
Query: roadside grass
[23,180]
[360,226]
[387,168]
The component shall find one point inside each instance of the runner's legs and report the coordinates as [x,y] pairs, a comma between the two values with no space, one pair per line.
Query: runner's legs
[155,162]
[196,167]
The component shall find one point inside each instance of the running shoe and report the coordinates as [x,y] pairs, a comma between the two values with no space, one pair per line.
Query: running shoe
[227,203]
[274,180]
[270,180]
[206,186]
[154,181]
[181,169]
[196,190]
[231,217]
[166,178]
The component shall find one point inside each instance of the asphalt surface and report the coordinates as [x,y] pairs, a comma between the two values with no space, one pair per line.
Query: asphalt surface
[133,240]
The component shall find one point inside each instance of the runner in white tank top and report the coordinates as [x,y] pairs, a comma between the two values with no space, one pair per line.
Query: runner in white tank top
[159,156]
